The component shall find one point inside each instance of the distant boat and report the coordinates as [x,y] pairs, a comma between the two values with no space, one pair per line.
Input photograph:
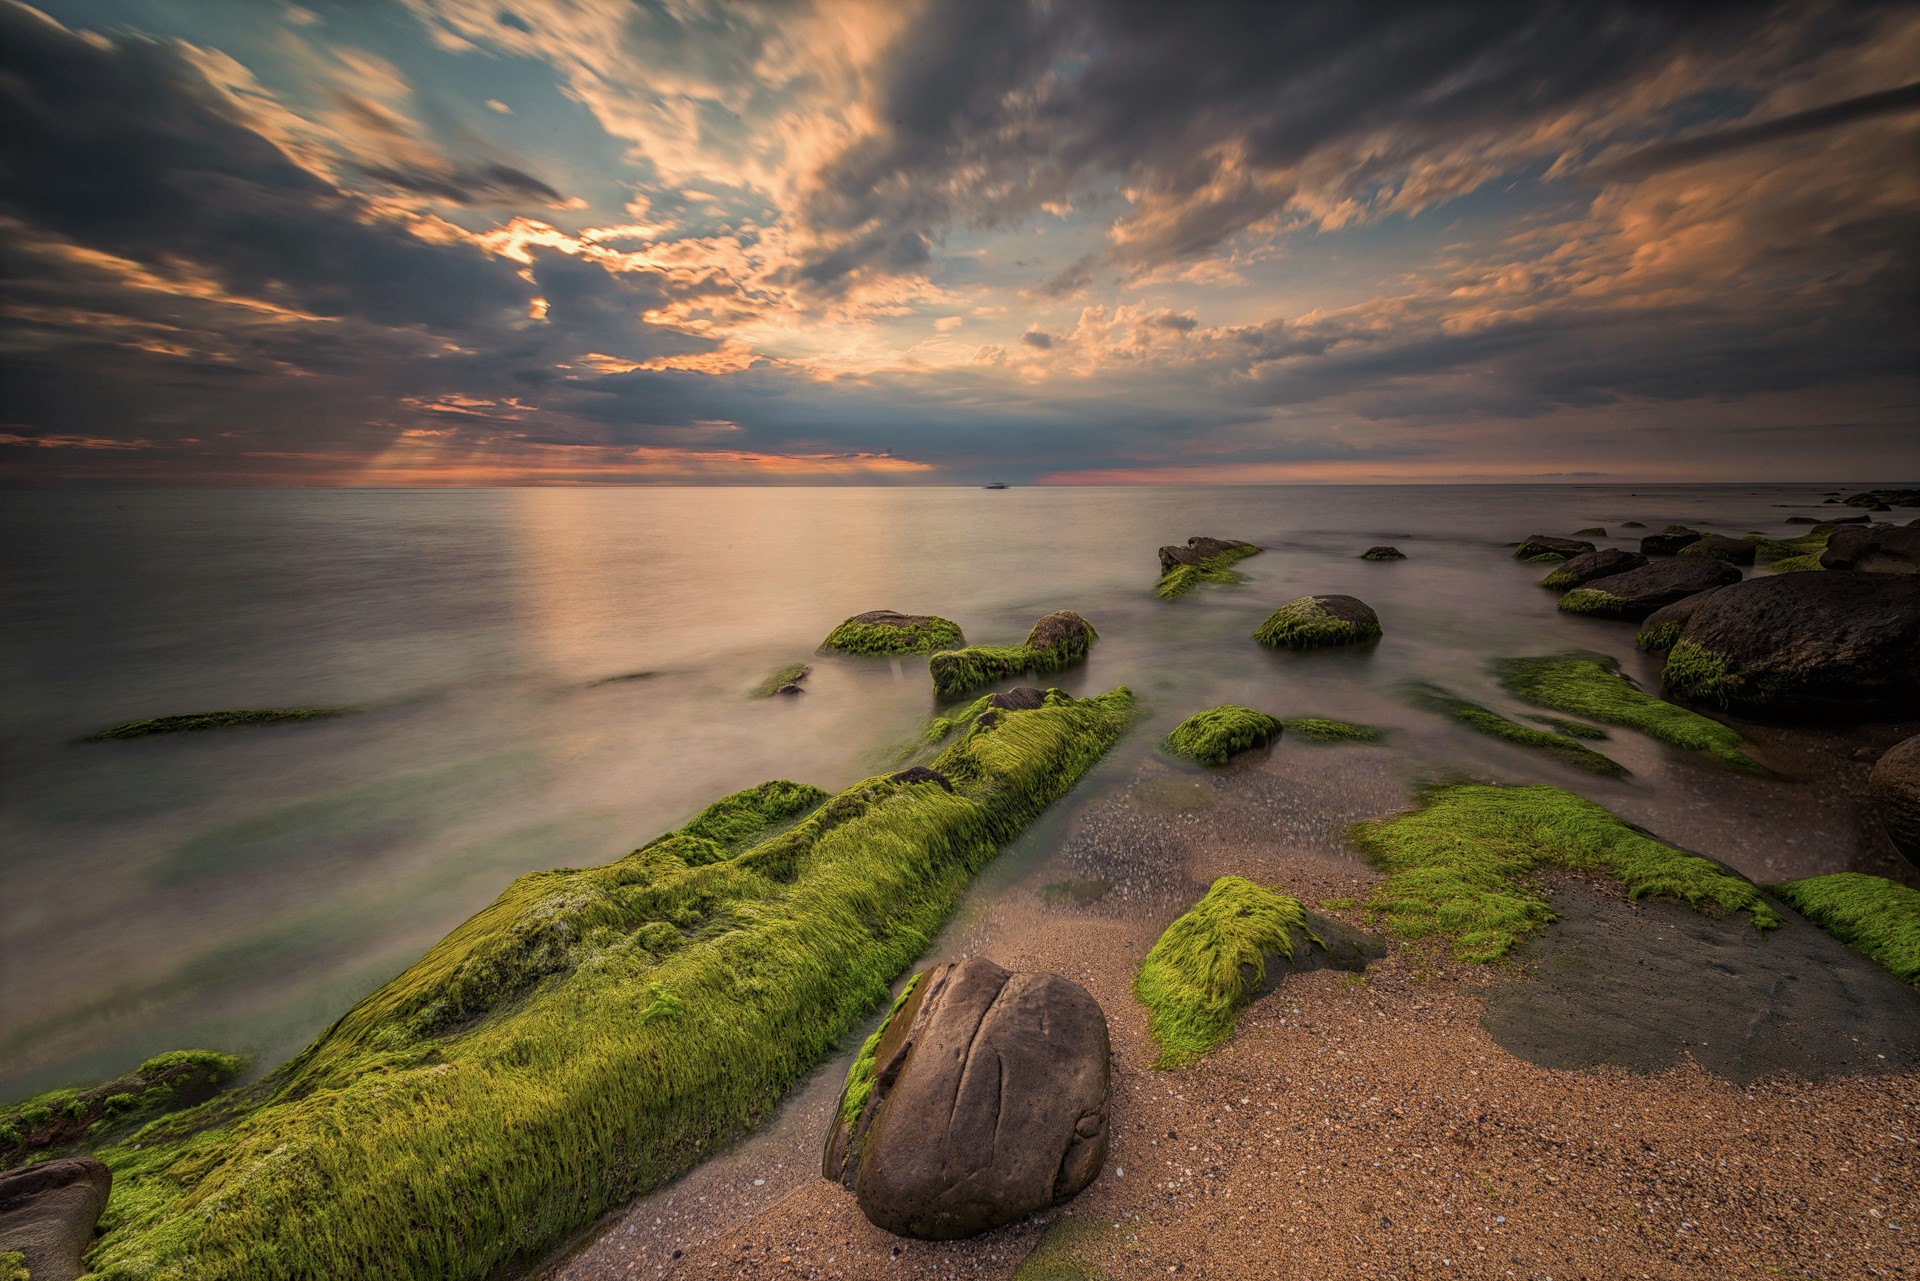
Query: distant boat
[995,484]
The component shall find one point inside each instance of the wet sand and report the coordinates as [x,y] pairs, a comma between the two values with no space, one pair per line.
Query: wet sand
[1372,1126]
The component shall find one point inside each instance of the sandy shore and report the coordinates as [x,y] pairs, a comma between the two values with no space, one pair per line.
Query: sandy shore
[1354,1127]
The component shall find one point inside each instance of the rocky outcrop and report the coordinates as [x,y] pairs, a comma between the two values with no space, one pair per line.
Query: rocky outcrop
[1639,592]
[1737,551]
[1842,646]
[1895,788]
[886,631]
[1312,622]
[988,1101]
[47,1213]
[1588,566]
[1201,551]
[1383,553]
[1546,547]
[1669,543]
[1877,549]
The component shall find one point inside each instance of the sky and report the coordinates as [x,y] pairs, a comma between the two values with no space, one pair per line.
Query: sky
[492,242]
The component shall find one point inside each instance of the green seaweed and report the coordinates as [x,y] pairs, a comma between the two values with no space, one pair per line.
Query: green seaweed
[1693,671]
[13,1266]
[1306,624]
[1463,865]
[1181,579]
[781,676]
[1661,635]
[940,726]
[1211,962]
[1591,685]
[1879,917]
[923,636]
[72,1119]
[1573,729]
[1591,600]
[1797,565]
[1050,647]
[1474,716]
[1319,729]
[231,718]
[1212,736]
[673,1005]
[859,1086]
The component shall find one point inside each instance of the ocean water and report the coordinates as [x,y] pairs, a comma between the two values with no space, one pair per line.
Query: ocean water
[240,889]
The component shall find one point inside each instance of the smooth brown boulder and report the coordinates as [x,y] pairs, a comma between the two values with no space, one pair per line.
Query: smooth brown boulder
[1876,549]
[1021,698]
[1895,788]
[989,1102]
[1639,592]
[1587,566]
[47,1213]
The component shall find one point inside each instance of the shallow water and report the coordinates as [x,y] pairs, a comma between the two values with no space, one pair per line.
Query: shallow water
[239,889]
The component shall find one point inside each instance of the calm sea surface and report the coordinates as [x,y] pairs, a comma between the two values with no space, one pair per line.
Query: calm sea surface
[239,889]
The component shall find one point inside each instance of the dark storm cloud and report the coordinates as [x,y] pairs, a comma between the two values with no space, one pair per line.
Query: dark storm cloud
[485,185]
[1718,142]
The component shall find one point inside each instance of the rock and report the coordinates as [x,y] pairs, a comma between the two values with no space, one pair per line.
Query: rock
[1021,698]
[1851,520]
[1841,646]
[1315,621]
[790,688]
[1894,785]
[989,1102]
[1663,627]
[1878,549]
[886,631]
[1639,592]
[1545,547]
[1383,553]
[1588,566]
[1201,549]
[47,1213]
[1062,632]
[921,774]
[1878,499]
[1668,544]
[1737,551]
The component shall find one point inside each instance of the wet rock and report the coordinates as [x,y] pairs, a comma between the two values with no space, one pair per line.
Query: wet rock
[1878,499]
[1201,549]
[1668,544]
[1546,547]
[1894,785]
[989,1102]
[1312,622]
[1021,698]
[1588,566]
[1062,632]
[1663,627]
[1836,646]
[887,631]
[789,689]
[1877,549]
[1736,551]
[1383,553]
[47,1213]
[1639,592]
[921,774]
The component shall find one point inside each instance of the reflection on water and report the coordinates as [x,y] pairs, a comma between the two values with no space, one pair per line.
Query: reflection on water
[239,889]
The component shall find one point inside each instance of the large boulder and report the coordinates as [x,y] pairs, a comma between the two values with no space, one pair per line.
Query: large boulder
[1895,788]
[886,631]
[1546,547]
[1201,549]
[1719,547]
[1878,549]
[1669,543]
[47,1213]
[988,1101]
[1588,566]
[1835,646]
[1639,592]
[1312,622]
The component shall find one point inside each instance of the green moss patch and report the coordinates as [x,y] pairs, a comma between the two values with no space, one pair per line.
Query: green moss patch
[1319,729]
[13,1266]
[940,726]
[1211,962]
[1591,600]
[1309,623]
[1476,717]
[1058,640]
[232,718]
[780,678]
[1796,565]
[1696,672]
[64,1121]
[882,632]
[1463,865]
[1878,916]
[1591,685]
[1182,579]
[590,1035]
[1572,729]
[1212,736]
[859,1086]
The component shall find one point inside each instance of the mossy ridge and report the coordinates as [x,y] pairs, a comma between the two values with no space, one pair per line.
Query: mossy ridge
[1320,729]
[859,1086]
[924,634]
[507,1134]
[1463,864]
[1486,721]
[1796,565]
[1050,647]
[231,718]
[780,678]
[1211,962]
[1572,729]
[68,1120]
[940,726]
[1592,685]
[1213,736]
[742,818]
[1182,579]
[1878,916]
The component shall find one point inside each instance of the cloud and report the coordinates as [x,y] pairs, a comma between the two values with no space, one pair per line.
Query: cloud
[1703,146]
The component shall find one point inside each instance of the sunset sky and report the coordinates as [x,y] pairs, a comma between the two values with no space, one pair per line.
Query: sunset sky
[404,242]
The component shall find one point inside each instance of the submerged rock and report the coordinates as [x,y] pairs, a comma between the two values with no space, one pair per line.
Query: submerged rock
[1669,543]
[1547,547]
[1383,553]
[1639,592]
[1201,551]
[987,1101]
[885,631]
[1588,566]
[1719,547]
[1834,646]
[1895,788]
[1877,549]
[1315,621]
[47,1213]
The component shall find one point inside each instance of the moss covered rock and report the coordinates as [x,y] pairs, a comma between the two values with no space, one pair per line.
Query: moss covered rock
[1545,547]
[1878,916]
[1588,566]
[882,631]
[1877,549]
[1057,640]
[1383,553]
[1213,736]
[1202,560]
[1669,543]
[1313,622]
[1738,551]
[1894,785]
[1637,593]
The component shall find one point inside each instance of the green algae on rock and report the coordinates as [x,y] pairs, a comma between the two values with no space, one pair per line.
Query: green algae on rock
[1057,640]
[1462,865]
[1212,736]
[1878,916]
[1312,622]
[859,1086]
[1202,560]
[70,1120]
[1211,962]
[195,722]
[671,1006]
[1383,553]
[883,632]
[1474,716]
[783,680]
[1320,729]
[1592,685]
